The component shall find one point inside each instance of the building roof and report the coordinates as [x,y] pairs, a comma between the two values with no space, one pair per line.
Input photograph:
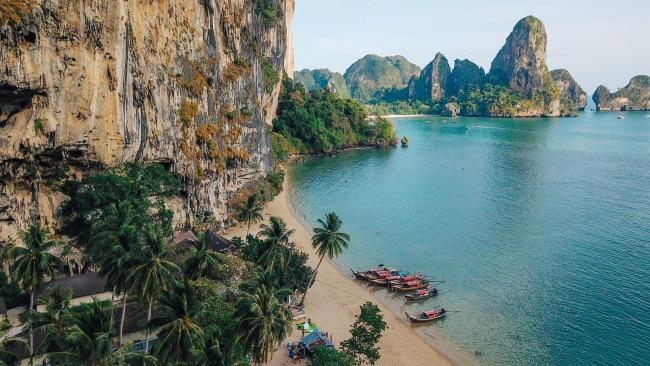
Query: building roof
[82,285]
[184,239]
[316,339]
[217,242]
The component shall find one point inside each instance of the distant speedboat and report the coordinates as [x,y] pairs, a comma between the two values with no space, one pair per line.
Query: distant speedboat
[619,117]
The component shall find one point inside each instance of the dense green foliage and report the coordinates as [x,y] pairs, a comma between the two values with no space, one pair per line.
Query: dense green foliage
[319,121]
[366,332]
[322,78]
[325,356]
[373,72]
[269,10]
[13,295]
[143,186]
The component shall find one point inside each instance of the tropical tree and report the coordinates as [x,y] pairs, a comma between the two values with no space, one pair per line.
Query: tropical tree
[326,356]
[34,264]
[112,239]
[219,323]
[251,212]
[7,346]
[88,340]
[152,272]
[53,323]
[264,322]
[202,260]
[180,339]
[366,332]
[272,250]
[327,240]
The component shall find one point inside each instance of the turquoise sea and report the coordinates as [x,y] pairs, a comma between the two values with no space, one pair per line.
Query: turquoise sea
[539,228]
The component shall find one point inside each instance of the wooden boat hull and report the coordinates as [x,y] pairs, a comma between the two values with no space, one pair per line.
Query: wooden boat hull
[410,288]
[416,296]
[359,275]
[419,318]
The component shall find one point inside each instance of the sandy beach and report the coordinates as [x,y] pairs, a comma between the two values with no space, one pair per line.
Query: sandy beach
[334,300]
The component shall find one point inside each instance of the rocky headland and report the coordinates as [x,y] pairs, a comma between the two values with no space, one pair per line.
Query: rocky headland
[192,85]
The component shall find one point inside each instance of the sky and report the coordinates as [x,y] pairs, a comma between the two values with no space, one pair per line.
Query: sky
[598,42]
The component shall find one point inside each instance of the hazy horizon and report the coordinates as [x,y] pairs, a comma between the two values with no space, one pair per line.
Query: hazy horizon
[598,42]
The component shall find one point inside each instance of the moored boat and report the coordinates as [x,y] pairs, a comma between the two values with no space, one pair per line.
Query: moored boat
[427,315]
[421,294]
[404,279]
[383,280]
[411,285]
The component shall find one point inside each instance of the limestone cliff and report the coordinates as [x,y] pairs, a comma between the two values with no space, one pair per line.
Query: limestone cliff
[569,88]
[91,84]
[635,96]
[322,78]
[372,73]
[521,66]
[434,82]
[464,74]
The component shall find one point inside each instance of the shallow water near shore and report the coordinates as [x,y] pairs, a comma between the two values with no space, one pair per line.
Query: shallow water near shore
[539,228]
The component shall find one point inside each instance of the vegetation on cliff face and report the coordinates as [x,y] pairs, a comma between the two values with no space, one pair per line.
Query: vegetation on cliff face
[635,96]
[12,10]
[519,83]
[318,121]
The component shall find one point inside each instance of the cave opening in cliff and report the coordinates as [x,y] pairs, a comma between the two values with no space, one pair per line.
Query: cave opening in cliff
[14,100]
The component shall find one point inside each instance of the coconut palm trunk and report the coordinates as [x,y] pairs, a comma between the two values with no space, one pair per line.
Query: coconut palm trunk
[327,240]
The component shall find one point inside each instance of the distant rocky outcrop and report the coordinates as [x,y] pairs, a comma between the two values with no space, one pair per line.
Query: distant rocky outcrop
[569,88]
[521,62]
[434,82]
[372,73]
[633,97]
[464,74]
[322,78]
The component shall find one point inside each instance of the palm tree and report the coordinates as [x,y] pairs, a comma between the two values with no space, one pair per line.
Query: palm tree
[7,347]
[152,273]
[112,241]
[264,322]
[89,339]
[272,250]
[180,339]
[34,264]
[202,260]
[53,323]
[251,212]
[327,240]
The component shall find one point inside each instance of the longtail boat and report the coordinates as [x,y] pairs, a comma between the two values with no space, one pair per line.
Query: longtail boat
[421,294]
[402,280]
[384,279]
[410,286]
[428,315]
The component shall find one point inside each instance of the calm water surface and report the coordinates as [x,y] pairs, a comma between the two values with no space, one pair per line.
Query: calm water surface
[539,228]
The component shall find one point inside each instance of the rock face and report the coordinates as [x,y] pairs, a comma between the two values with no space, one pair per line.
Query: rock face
[633,97]
[521,66]
[435,80]
[569,88]
[322,78]
[521,62]
[371,73]
[93,84]
[465,73]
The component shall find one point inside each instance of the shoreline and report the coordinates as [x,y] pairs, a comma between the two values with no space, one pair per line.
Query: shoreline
[334,299]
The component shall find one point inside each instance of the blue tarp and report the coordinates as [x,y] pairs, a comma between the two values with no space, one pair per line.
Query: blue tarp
[316,339]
